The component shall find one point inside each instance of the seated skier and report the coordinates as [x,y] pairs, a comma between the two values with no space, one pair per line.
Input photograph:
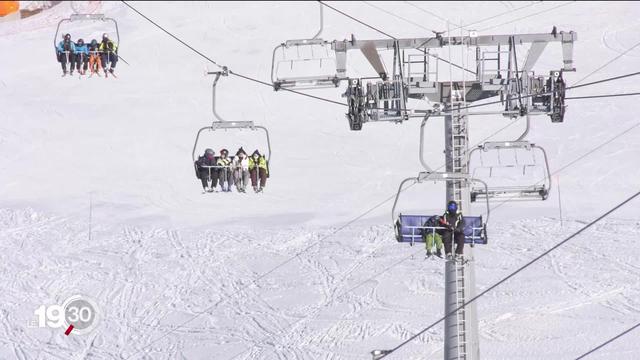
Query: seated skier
[433,236]
[224,171]
[204,173]
[241,170]
[259,170]
[109,54]
[453,221]
[66,53]
[81,56]
[94,57]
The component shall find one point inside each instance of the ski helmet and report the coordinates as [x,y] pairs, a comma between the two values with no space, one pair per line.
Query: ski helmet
[80,42]
[105,36]
[67,36]
[224,152]
[452,206]
[209,153]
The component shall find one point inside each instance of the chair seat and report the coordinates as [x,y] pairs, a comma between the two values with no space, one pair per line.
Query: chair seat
[410,228]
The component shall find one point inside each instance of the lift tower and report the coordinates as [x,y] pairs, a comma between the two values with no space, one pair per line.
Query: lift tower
[415,75]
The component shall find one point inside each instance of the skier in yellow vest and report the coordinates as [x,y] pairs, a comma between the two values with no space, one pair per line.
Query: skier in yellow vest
[259,170]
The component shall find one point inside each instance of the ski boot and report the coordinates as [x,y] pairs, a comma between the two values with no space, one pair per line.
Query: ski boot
[439,253]
[449,256]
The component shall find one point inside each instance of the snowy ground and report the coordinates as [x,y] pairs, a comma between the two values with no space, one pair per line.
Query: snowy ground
[160,254]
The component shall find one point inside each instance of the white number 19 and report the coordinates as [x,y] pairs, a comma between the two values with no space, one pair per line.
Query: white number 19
[51,316]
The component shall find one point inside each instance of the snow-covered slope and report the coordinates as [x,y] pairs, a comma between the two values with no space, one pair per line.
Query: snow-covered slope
[160,253]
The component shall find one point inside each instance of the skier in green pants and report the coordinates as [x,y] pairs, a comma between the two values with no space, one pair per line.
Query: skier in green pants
[432,236]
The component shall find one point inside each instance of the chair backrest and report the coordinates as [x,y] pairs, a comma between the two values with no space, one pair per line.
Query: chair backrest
[410,228]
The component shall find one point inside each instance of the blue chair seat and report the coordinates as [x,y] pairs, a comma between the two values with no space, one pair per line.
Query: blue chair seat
[410,228]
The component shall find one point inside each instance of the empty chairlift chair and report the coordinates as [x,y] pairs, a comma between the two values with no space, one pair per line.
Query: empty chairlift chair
[518,170]
[304,63]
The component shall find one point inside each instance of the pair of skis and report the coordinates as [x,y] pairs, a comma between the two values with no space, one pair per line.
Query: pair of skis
[461,260]
[80,75]
[106,74]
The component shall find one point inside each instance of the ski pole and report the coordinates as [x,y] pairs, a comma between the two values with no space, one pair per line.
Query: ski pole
[125,61]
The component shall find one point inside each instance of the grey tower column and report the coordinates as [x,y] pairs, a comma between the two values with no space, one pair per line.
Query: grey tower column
[461,328]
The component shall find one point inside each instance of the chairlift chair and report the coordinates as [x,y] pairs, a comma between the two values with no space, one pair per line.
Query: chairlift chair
[313,55]
[524,190]
[86,18]
[410,228]
[221,124]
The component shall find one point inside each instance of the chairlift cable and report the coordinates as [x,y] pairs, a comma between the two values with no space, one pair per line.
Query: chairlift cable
[568,88]
[608,62]
[260,277]
[387,35]
[607,342]
[509,200]
[601,96]
[221,66]
[603,80]
[512,274]
[528,16]
[398,16]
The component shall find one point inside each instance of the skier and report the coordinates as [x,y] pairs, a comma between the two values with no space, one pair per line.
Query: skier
[224,170]
[94,57]
[241,170]
[258,168]
[109,51]
[66,50]
[204,173]
[81,56]
[453,222]
[433,236]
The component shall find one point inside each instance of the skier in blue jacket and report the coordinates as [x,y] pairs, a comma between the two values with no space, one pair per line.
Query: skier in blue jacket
[81,56]
[66,53]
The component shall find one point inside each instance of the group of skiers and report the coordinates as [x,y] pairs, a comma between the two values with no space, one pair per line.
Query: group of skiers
[447,228]
[235,170]
[94,56]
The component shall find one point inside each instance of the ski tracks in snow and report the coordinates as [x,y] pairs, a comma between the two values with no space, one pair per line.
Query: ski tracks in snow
[197,287]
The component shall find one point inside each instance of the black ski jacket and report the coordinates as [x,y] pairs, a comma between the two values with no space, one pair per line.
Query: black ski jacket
[204,161]
[456,221]
[433,221]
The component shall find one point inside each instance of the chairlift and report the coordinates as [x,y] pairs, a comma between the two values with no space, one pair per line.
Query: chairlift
[221,124]
[520,188]
[86,18]
[305,56]
[410,228]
